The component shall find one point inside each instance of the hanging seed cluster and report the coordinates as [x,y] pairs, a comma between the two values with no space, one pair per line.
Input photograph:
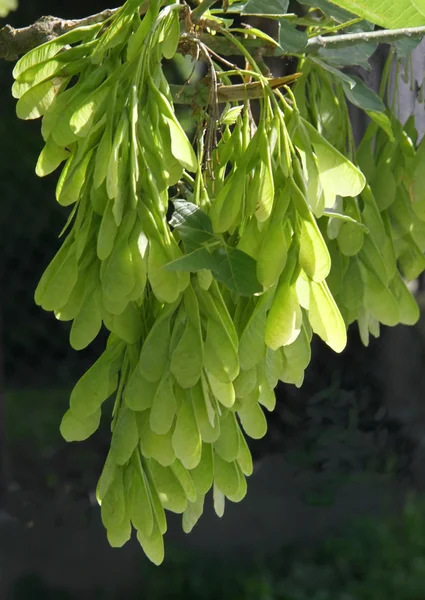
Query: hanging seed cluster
[208,310]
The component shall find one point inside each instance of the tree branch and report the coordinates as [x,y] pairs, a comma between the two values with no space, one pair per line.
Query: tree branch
[16,42]
[351,39]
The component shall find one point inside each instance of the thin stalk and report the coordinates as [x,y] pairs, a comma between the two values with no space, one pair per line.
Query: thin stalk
[200,10]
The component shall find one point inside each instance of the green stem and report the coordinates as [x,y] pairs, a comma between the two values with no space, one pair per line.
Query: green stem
[199,11]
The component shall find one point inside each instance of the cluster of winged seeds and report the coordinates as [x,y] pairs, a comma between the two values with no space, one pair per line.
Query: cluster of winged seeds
[275,237]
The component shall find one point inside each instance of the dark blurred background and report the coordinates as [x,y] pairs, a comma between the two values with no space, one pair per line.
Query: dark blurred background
[334,509]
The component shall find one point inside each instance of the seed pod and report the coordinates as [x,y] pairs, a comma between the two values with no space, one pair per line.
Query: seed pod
[187,441]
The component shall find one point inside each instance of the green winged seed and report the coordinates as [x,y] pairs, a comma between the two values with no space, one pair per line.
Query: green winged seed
[408,308]
[170,490]
[52,47]
[224,392]
[325,317]
[153,546]
[171,36]
[87,323]
[139,393]
[338,176]
[36,101]
[164,283]
[284,319]
[219,500]
[192,514]
[180,145]
[156,446]
[251,346]
[227,445]
[187,442]
[117,277]
[50,158]
[154,356]
[272,255]
[138,245]
[226,476]
[245,382]
[113,506]
[379,300]
[350,239]
[129,324]
[92,389]
[185,480]
[352,293]
[253,420]
[125,436]
[314,256]
[202,475]
[298,356]
[106,478]
[74,429]
[220,355]
[206,417]
[58,280]
[267,397]
[140,508]
[120,535]
[156,503]
[242,490]
[107,233]
[164,406]
[244,457]
[273,366]
[187,359]
[72,179]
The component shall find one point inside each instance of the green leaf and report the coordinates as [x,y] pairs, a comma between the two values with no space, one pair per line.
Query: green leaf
[194,261]
[358,55]
[193,224]
[329,9]
[265,7]
[391,14]
[291,39]
[237,271]
[362,96]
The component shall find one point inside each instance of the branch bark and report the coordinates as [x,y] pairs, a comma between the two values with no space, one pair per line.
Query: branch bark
[16,42]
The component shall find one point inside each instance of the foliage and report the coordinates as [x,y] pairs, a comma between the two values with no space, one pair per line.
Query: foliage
[371,560]
[279,229]
[6,6]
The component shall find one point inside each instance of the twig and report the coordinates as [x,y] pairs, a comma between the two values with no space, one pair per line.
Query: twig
[351,39]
